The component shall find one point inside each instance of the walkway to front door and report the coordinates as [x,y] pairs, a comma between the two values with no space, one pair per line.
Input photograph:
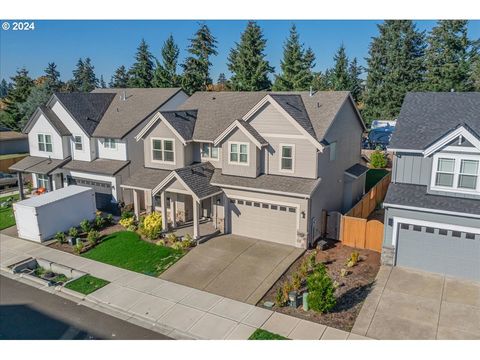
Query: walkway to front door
[235,267]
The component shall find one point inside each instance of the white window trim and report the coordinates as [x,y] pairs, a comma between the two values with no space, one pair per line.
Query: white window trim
[163,149]
[45,142]
[458,158]
[110,142]
[281,157]
[43,179]
[81,142]
[211,146]
[238,144]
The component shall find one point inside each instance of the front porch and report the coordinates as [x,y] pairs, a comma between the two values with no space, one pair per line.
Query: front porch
[207,230]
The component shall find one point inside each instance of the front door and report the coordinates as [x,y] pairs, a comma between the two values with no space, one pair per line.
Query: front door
[206,208]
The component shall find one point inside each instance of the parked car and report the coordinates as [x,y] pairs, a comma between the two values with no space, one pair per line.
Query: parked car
[7,180]
[378,138]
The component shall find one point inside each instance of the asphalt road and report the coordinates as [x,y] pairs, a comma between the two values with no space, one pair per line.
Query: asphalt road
[27,313]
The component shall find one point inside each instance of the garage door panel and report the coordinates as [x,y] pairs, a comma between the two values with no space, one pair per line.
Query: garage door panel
[440,252]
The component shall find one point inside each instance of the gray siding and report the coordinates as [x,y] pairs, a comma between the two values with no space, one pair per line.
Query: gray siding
[252,170]
[411,169]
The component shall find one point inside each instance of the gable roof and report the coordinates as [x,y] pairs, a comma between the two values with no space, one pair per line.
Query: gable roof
[51,117]
[182,121]
[247,129]
[86,108]
[38,165]
[427,117]
[122,116]
[294,106]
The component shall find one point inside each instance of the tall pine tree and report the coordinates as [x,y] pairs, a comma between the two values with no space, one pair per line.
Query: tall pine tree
[52,75]
[247,61]
[196,68]
[166,72]
[448,59]
[295,74]
[340,77]
[356,83]
[84,78]
[395,66]
[22,85]
[119,78]
[141,72]
[102,83]
[4,88]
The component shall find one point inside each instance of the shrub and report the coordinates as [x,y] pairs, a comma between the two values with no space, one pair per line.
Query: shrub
[60,237]
[303,269]
[151,225]
[312,259]
[99,221]
[93,237]
[188,241]
[286,288]
[78,247]
[126,215]
[73,232]
[279,299]
[177,245]
[85,225]
[296,281]
[378,160]
[353,259]
[321,290]
[160,242]
[128,223]
[109,219]
[172,238]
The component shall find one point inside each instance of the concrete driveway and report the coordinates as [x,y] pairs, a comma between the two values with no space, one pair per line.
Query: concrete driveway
[232,266]
[407,304]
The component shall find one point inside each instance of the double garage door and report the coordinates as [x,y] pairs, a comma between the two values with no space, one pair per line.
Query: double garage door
[264,221]
[448,251]
[103,193]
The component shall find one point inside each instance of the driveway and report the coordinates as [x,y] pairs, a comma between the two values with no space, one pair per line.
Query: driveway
[408,304]
[232,266]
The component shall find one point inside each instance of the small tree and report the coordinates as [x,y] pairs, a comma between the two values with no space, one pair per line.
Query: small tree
[378,160]
[321,290]
[151,226]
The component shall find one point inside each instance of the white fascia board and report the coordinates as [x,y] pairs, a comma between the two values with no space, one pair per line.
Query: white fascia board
[236,125]
[436,211]
[450,137]
[173,175]
[302,196]
[147,127]
[405,150]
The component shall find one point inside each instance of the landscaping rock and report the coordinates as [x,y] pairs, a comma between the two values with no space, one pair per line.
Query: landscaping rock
[322,245]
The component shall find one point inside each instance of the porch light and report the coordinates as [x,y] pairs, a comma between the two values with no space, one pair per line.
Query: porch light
[218,201]
[303,214]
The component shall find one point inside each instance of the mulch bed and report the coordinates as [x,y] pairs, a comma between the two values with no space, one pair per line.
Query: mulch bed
[350,295]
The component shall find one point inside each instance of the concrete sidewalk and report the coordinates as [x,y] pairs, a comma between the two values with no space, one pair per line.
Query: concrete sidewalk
[174,310]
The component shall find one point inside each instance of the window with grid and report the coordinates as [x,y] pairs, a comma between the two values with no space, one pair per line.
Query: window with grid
[45,142]
[445,172]
[209,151]
[162,150]
[42,181]
[239,153]
[467,178]
[287,157]
[78,142]
[110,143]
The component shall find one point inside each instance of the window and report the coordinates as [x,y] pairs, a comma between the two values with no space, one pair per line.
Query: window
[248,203]
[265,206]
[78,142]
[255,204]
[470,236]
[209,151]
[445,172]
[467,178]
[430,230]
[283,208]
[110,143]
[286,161]
[333,151]
[42,181]
[238,153]
[442,232]
[45,143]
[417,228]
[162,150]
[456,234]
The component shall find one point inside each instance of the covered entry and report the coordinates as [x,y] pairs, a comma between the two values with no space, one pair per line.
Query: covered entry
[441,248]
[265,221]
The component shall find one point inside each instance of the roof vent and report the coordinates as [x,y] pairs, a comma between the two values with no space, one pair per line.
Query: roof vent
[311,91]
[124,95]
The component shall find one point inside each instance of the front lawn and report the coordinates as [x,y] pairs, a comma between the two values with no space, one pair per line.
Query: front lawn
[373,177]
[261,334]
[127,250]
[86,284]
[7,218]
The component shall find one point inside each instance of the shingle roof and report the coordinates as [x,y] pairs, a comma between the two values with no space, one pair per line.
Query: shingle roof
[357,170]
[86,108]
[416,196]
[38,165]
[253,132]
[182,121]
[122,116]
[97,166]
[197,177]
[146,178]
[276,183]
[293,105]
[426,117]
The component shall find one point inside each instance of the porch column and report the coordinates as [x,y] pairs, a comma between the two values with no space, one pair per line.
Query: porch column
[148,201]
[226,214]
[173,209]
[136,204]
[196,219]
[50,182]
[163,201]
[20,185]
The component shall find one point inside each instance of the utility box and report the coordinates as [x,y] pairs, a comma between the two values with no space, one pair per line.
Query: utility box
[41,217]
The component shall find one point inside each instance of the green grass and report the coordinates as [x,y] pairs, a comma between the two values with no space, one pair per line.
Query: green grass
[7,218]
[86,284]
[125,249]
[261,334]
[373,177]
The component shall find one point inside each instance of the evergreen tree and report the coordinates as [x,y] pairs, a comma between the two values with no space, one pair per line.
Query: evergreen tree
[4,88]
[102,83]
[53,77]
[141,72]
[340,76]
[247,61]
[166,72]
[84,78]
[296,67]
[39,95]
[448,57]
[395,66]
[475,78]
[322,81]
[22,86]
[119,78]
[222,79]
[196,68]
[356,83]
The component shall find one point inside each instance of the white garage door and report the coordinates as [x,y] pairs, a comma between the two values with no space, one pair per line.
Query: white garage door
[265,221]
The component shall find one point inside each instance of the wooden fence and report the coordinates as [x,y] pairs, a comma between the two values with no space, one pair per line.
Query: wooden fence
[355,228]
[6,163]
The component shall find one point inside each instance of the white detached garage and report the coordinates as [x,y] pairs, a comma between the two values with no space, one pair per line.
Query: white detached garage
[41,217]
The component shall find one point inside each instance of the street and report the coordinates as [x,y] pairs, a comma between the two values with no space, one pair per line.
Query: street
[27,313]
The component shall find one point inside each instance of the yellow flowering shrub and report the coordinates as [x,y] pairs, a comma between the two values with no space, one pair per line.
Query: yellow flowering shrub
[151,226]
[128,223]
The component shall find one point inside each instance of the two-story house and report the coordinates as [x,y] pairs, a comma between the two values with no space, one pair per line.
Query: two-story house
[258,164]
[88,139]
[432,208]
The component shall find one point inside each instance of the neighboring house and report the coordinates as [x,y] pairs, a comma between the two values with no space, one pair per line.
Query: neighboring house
[432,217]
[12,142]
[88,139]
[261,165]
